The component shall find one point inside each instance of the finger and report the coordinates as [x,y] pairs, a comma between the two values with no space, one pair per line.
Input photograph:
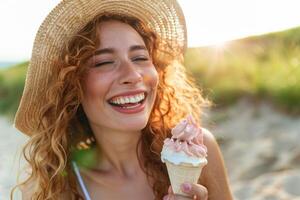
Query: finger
[169,197]
[196,190]
[170,190]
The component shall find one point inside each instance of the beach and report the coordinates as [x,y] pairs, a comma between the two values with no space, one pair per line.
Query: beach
[260,146]
[10,147]
[261,150]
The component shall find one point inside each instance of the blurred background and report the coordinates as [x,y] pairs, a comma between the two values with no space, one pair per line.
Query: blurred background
[244,55]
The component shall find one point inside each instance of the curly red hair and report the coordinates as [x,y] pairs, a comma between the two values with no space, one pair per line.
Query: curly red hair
[64,123]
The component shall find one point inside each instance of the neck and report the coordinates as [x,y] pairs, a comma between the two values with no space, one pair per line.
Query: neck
[117,151]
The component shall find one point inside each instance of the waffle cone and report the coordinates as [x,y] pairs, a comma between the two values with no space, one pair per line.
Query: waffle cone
[182,173]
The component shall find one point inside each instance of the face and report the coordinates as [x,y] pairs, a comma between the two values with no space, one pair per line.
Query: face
[120,85]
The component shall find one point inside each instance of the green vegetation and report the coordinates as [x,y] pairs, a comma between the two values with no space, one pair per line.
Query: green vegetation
[260,67]
[11,86]
[85,157]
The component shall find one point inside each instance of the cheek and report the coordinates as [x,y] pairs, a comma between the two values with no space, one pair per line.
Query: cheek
[95,86]
[90,87]
[151,78]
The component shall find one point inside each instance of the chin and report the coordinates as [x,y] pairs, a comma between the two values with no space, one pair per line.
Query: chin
[133,124]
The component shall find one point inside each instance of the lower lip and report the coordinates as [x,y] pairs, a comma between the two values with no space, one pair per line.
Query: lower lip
[134,110]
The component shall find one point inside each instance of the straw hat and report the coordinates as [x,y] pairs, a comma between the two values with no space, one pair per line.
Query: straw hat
[165,17]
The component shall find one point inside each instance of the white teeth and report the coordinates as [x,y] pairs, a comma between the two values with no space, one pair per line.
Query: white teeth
[128,99]
[132,99]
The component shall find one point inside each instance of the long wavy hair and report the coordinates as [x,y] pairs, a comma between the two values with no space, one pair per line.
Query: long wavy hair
[64,124]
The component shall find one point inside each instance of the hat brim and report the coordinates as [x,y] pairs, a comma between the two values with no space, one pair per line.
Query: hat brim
[164,17]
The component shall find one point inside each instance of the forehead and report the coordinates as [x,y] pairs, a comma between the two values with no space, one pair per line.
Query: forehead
[118,33]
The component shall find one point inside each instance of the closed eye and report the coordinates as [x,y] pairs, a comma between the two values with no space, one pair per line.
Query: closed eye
[104,63]
[140,59]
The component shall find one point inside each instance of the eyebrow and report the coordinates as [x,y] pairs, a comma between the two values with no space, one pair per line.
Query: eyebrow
[138,47]
[111,50]
[104,51]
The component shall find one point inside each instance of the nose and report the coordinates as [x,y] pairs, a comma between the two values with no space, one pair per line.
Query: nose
[130,74]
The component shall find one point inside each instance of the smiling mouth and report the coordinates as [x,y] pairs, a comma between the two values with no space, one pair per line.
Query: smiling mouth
[128,102]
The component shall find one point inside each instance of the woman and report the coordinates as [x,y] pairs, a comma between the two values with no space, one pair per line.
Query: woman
[102,77]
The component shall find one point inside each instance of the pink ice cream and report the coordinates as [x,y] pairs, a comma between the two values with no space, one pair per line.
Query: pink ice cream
[185,144]
[184,154]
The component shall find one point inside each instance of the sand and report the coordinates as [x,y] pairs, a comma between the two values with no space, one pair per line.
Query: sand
[261,150]
[10,147]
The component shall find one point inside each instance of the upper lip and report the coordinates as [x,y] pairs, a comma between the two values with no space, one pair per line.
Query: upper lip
[128,93]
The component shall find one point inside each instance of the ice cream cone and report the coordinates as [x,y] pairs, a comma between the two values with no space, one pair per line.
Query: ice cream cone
[184,154]
[182,173]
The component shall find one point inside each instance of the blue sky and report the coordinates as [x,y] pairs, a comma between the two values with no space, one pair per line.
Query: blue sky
[208,21]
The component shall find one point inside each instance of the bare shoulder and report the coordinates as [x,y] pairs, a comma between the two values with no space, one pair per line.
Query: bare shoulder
[214,175]
[214,155]
[208,136]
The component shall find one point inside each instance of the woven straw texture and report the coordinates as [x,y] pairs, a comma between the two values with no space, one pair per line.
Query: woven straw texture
[165,17]
[180,174]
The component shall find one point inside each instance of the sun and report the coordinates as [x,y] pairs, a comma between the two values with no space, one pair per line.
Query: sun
[220,45]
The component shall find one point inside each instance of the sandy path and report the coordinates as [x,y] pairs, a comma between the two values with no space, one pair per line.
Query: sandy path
[10,146]
[261,150]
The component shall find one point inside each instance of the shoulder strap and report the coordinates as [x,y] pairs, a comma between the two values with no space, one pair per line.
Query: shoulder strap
[80,180]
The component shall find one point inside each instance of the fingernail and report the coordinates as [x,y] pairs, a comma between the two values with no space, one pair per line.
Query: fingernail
[186,187]
[166,197]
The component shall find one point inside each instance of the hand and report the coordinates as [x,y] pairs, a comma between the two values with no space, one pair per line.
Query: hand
[195,191]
